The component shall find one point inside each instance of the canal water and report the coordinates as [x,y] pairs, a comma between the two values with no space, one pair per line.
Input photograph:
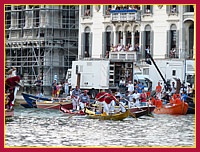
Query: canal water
[39,127]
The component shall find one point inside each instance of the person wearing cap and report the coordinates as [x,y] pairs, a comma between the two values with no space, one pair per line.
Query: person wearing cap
[84,100]
[75,97]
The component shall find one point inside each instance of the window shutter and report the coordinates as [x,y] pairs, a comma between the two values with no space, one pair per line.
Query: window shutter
[177,39]
[168,42]
[103,44]
[82,10]
[112,39]
[183,41]
[104,9]
[91,10]
[143,42]
[143,9]
[151,9]
[82,43]
[177,9]
[167,9]
[151,43]
[90,45]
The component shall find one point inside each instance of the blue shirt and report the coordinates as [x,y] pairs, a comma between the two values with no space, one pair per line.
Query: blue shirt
[140,87]
[76,92]
[184,97]
[84,98]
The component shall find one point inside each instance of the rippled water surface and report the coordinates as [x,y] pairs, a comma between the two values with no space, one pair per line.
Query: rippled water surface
[37,127]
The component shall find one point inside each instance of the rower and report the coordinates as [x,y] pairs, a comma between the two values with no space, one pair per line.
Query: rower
[84,100]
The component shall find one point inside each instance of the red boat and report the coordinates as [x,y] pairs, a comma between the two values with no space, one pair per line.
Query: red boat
[173,109]
[70,112]
[54,105]
[9,113]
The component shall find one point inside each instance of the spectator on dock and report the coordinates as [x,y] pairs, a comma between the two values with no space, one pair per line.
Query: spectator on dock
[66,87]
[38,84]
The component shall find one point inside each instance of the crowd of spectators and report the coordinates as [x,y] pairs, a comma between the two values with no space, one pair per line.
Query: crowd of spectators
[122,48]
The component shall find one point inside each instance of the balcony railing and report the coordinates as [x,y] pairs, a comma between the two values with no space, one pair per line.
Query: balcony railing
[124,15]
[123,56]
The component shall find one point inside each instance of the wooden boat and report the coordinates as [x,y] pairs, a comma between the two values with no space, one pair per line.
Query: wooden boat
[173,109]
[149,109]
[115,116]
[191,108]
[9,113]
[54,105]
[70,112]
[31,100]
[138,113]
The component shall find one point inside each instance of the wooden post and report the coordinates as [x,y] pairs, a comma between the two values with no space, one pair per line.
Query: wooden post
[78,79]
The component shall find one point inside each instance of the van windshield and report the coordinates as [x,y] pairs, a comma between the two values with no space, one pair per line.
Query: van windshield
[144,82]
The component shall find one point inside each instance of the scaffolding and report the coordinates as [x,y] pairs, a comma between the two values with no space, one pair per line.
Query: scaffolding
[41,41]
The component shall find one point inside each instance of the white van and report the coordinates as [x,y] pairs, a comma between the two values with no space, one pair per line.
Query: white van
[145,80]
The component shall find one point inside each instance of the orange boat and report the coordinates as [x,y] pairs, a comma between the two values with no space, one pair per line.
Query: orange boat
[173,109]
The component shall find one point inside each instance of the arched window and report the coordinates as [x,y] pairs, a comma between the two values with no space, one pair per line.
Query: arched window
[147,36]
[173,36]
[108,38]
[86,42]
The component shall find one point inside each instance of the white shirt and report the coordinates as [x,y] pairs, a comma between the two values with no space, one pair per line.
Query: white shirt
[137,97]
[130,87]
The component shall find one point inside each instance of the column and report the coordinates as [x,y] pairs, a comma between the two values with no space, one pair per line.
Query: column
[114,38]
[132,38]
[140,42]
[124,38]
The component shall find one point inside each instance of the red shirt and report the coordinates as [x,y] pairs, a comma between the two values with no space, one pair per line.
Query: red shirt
[143,97]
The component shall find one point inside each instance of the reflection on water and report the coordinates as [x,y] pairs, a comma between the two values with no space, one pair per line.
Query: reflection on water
[35,127]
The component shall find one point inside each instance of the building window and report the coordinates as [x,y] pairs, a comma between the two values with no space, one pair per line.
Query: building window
[147,39]
[190,8]
[148,9]
[128,38]
[173,41]
[107,9]
[137,37]
[87,11]
[173,72]
[173,9]
[120,37]
[108,40]
[87,42]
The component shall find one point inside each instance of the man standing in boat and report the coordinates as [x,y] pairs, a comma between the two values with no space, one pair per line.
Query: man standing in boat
[158,90]
[75,98]
[84,100]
